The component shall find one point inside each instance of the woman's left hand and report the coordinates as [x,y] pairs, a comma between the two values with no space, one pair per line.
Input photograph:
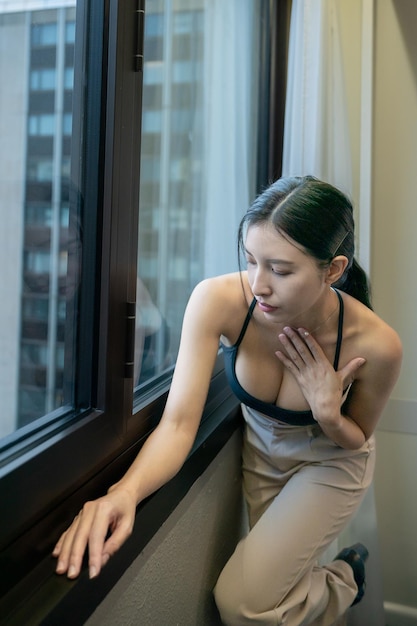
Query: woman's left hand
[321,385]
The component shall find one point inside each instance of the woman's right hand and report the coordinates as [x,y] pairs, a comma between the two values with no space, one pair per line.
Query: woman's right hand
[114,512]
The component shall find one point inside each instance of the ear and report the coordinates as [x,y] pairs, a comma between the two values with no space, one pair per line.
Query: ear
[336,269]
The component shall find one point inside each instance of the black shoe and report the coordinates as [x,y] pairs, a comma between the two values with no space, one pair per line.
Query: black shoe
[355,556]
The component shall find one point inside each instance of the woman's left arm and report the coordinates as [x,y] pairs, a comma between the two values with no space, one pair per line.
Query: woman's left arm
[348,423]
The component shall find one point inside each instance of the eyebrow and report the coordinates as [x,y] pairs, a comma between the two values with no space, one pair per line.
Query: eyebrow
[274,261]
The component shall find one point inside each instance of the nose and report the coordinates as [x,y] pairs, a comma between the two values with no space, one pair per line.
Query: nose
[260,283]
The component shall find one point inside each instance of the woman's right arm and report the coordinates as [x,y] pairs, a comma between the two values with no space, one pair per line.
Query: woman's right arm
[165,450]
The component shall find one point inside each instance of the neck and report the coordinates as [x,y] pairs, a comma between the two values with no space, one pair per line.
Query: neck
[328,313]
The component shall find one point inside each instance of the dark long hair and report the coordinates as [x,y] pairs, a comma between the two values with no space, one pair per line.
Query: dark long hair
[317,216]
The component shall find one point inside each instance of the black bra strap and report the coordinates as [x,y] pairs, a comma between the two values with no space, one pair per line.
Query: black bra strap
[339,331]
[339,328]
[246,322]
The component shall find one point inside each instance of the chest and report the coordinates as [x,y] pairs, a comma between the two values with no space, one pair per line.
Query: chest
[263,376]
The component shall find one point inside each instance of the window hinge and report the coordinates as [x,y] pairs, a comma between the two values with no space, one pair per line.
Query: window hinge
[130,339]
[140,31]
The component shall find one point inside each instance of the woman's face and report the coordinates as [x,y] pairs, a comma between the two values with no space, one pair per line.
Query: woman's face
[286,281]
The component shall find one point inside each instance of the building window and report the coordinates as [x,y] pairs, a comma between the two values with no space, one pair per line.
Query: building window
[44,35]
[43,80]
[42,125]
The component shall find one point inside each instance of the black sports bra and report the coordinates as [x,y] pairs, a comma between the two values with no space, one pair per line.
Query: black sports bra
[295,418]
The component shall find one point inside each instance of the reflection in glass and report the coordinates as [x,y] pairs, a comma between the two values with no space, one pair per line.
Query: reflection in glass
[168,229]
[197,160]
[35,238]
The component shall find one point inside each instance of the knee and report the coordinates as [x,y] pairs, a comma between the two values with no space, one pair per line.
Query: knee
[231,604]
[228,610]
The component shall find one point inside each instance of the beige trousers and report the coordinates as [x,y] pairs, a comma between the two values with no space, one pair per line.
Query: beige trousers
[301,490]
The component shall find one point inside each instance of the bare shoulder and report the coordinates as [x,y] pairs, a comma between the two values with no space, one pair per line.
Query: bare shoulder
[377,341]
[212,304]
[219,301]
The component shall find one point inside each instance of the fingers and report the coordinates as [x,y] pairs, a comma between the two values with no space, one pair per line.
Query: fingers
[298,346]
[58,546]
[87,529]
[313,347]
[117,539]
[98,556]
[72,544]
[99,549]
[348,371]
[90,529]
[285,360]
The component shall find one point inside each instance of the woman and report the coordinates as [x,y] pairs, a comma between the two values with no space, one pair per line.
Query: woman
[313,367]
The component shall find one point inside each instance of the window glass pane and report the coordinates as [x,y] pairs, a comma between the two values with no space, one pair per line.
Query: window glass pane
[37,232]
[197,161]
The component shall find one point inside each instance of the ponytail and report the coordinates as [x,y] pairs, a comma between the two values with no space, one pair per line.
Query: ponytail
[318,217]
[355,283]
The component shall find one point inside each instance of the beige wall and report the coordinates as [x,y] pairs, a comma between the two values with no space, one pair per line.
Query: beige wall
[350,14]
[393,246]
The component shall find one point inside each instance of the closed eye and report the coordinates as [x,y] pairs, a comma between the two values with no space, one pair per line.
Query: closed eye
[280,272]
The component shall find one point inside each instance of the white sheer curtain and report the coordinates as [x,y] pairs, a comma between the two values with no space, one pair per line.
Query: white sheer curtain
[316,135]
[229,118]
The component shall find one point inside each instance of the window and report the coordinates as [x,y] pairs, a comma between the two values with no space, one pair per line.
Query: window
[42,79]
[44,34]
[41,124]
[40,169]
[123,186]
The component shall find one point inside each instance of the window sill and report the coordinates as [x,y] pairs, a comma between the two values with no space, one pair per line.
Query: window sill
[42,597]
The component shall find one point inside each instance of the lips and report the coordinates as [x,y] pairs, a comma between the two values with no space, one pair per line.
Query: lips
[266,308]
